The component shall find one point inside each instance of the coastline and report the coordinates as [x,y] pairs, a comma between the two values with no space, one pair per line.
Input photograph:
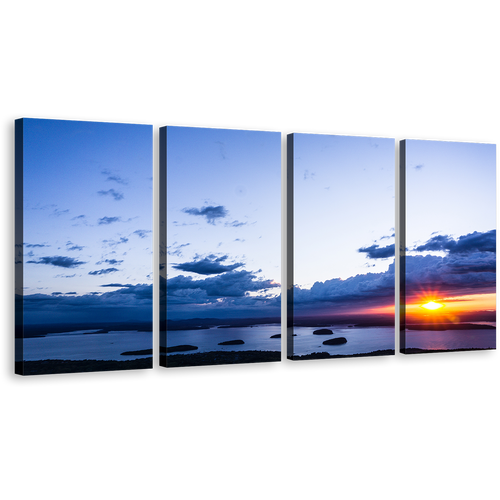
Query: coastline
[211,358]
[416,350]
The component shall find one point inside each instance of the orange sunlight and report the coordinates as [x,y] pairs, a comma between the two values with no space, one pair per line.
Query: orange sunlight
[451,306]
[437,308]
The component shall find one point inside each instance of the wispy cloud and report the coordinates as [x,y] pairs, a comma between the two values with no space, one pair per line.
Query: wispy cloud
[175,249]
[117,178]
[111,192]
[222,149]
[103,271]
[35,245]
[309,175]
[57,213]
[142,233]
[113,243]
[71,246]
[112,262]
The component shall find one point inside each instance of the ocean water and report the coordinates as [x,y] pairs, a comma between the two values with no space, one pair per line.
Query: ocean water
[79,345]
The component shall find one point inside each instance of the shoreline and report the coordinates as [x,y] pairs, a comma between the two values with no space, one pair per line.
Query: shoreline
[211,358]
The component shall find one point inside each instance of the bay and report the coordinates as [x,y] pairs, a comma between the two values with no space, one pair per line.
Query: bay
[80,345]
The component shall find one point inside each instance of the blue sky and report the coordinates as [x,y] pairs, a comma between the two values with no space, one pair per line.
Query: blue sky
[223,223]
[87,220]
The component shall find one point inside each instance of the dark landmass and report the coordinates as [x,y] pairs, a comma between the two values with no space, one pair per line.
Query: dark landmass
[204,323]
[53,366]
[31,331]
[335,341]
[149,352]
[358,321]
[277,336]
[449,326]
[415,350]
[323,331]
[231,342]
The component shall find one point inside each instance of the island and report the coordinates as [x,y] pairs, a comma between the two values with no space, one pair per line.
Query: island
[335,341]
[149,352]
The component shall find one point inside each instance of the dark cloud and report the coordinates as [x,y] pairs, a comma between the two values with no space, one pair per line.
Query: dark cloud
[208,265]
[118,285]
[35,245]
[231,284]
[456,274]
[133,302]
[103,271]
[70,293]
[473,242]
[78,217]
[111,192]
[376,252]
[419,167]
[210,213]
[58,261]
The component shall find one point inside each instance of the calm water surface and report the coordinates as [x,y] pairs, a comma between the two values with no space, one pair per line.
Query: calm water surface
[79,345]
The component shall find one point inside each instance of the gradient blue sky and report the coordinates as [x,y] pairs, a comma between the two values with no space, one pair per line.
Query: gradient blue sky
[87,219]
[223,222]
[87,216]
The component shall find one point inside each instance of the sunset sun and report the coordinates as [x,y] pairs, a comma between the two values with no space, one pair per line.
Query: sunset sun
[432,306]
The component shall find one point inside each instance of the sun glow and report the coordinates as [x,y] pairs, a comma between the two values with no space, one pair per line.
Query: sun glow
[432,306]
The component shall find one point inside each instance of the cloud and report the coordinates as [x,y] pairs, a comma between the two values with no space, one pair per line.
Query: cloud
[419,167]
[142,233]
[458,274]
[58,261]
[309,175]
[111,192]
[376,252]
[64,275]
[35,245]
[210,213]
[472,242]
[78,217]
[116,178]
[222,149]
[58,213]
[132,302]
[116,285]
[109,220]
[235,223]
[113,243]
[103,271]
[208,265]
[71,246]
[112,262]
[231,284]
[176,249]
